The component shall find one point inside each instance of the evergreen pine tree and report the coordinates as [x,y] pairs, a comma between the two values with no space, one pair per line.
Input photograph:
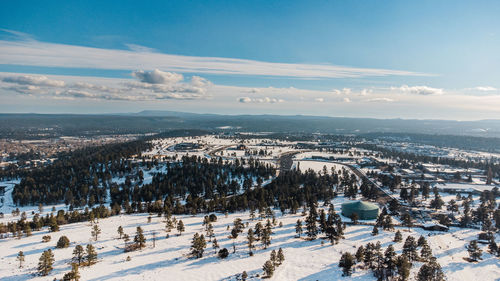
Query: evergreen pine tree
[274,258]
[375,230]
[251,239]
[258,230]
[398,237]
[215,245]
[126,239]
[407,221]
[322,221]
[410,249]
[426,252]
[388,224]
[198,245]
[266,237]
[78,254]
[380,219]
[298,227]
[91,255]
[404,267]
[475,252]
[369,256]
[331,234]
[53,224]
[180,227]
[390,261]
[360,254]
[493,247]
[311,228]
[96,231]
[73,275]
[421,241]
[169,225]
[27,230]
[45,263]
[120,231]
[210,231]
[281,256]
[347,262]
[430,271]
[268,268]
[139,238]
[20,258]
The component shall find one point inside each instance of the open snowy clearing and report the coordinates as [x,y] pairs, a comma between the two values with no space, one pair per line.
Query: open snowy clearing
[304,260]
[317,166]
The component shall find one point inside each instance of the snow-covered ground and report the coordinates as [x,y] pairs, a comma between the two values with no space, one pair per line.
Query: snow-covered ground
[466,187]
[304,260]
[7,204]
[317,166]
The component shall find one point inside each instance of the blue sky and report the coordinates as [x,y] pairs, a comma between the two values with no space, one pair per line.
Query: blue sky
[380,55]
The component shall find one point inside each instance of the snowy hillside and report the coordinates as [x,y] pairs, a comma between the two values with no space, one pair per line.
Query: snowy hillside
[169,260]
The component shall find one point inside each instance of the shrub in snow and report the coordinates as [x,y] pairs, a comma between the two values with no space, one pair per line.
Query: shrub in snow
[223,253]
[63,242]
[212,218]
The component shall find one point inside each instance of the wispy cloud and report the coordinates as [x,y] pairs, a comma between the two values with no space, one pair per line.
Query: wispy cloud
[485,89]
[260,100]
[36,53]
[33,80]
[366,92]
[380,100]
[418,90]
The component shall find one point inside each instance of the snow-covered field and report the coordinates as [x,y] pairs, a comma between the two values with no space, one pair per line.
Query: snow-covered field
[317,166]
[169,260]
[466,187]
[304,260]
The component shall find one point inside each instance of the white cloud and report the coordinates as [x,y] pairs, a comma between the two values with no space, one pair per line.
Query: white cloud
[37,80]
[245,100]
[252,91]
[418,90]
[344,91]
[380,100]
[36,53]
[157,77]
[366,92]
[159,86]
[75,94]
[260,100]
[319,99]
[346,100]
[485,88]
[140,49]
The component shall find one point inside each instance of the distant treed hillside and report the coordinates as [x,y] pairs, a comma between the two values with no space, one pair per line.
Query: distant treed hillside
[26,126]
[462,142]
[36,125]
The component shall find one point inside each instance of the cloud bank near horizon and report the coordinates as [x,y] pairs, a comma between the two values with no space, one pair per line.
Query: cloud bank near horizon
[152,85]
